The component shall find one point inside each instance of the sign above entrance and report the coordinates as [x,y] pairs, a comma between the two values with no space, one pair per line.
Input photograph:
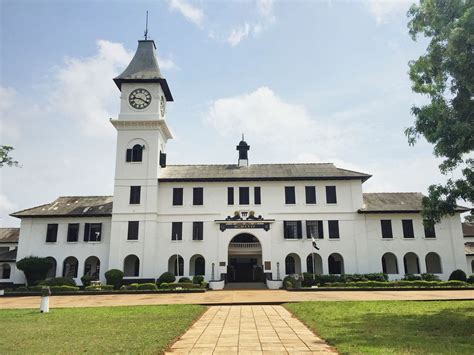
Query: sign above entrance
[245,220]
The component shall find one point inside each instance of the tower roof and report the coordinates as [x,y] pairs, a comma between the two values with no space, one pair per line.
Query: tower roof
[144,68]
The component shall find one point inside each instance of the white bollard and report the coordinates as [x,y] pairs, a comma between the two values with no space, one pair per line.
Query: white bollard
[45,293]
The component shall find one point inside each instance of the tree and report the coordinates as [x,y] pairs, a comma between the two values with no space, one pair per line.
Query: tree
[35,268]
[445,74]
[5,158]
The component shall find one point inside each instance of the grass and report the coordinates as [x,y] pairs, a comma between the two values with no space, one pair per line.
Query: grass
[133,329]
[392,327]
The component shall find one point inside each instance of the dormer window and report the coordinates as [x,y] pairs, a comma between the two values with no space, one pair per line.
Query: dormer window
[135,154]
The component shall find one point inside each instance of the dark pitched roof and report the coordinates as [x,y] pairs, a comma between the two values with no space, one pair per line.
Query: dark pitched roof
[9,255]
[144,68]
[395,202]
[469,248]
[71,206]
[468,229]
[9,235]
[258,172]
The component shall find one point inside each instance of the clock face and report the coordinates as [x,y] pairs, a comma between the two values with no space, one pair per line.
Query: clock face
[139,99]
[162,106]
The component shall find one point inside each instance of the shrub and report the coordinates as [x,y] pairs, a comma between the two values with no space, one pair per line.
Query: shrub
[133,286]
[59,281]
[114,277]
[64,288]
[187,285]
[470,279]
[93,288]
[166,277]
[455,283]
[326,279]
[203,284]
[22,289]
[184,279]
[411,277]
[36,288]
[107,287]
[458,275]
[166,285]
[429,277]
[289,282]
[86,280]
[34,268]
[123,288]
[308,280]
[198,279]
[147,286]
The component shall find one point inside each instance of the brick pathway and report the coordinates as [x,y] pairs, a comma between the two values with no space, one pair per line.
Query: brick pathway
[249,330]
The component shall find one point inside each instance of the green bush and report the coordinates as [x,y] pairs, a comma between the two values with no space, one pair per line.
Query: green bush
[183,285]
[166,285]
[198,279]
[86,280]
[93,288]
[458,275]
[107,287]
[22,289]
[411,277]
[429,277]
[147,286]
[203,284]
[36,288]
[470,279]
[289,282]
[184,279]
[308,280]
[59,281]
[59,289]
[456,283]
[132,287]
[34,268]
[326,279]
[166,277]
[114,277]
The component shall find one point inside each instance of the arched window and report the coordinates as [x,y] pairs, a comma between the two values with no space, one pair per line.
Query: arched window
[197,265]
[70,267]
[92,267]
[177,271]
[131,266]
[314,262]
[5,271]
[389,264]
[411,263]
[336,264]
[290,267]
[433,263]
[52,270]
[135,154]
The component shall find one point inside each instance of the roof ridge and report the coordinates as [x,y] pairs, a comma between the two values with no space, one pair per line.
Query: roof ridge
[85,196]
[399,192]
[253,164]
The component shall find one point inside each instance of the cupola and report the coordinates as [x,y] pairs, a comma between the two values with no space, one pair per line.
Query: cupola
[243,149]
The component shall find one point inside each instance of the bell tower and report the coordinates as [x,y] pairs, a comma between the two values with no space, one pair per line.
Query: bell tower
[142,133]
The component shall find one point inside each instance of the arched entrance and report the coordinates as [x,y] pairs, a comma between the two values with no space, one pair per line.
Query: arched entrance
[245,259]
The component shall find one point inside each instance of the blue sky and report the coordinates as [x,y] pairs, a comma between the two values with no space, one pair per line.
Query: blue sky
[321,81]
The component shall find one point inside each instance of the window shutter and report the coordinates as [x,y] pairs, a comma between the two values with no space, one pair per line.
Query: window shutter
[87,228]
[128,155]
[320,230]
[299,229]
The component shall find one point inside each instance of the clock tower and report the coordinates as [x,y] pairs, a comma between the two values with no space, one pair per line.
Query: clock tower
[142,133]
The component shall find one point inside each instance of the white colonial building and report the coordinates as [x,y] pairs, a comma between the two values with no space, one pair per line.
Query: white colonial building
[239,222]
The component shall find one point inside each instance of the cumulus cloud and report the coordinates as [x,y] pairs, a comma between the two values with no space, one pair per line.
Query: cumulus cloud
[382,10]
[190,12]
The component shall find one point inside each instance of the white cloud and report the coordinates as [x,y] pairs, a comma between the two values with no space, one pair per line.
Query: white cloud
[8,127]
[166,63]
[382,10]
[6,206]
[237,34]
[192,13]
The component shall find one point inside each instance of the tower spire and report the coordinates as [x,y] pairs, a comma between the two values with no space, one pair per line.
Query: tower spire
[243,149]
[146,27]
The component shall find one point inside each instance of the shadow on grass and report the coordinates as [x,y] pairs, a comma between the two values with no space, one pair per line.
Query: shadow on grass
[388,330]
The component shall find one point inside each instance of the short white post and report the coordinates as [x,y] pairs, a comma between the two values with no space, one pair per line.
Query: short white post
[45,293]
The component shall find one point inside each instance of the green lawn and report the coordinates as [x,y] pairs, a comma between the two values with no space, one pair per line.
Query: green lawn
[392,327]
[134,329]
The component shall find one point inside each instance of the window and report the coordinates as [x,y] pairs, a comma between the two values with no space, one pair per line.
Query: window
[133,230]
[177,231]
[135,195]
[135,154]
[73,232]
[162,159]
[244,196]
[131,266]
[177,196]
[290,197]
[92,232]
[257,195]
[429,229]
[230,195]
[386,225]
[70,267]
[408,228]
[314,229]
[333,227]
[52,233]
[198,196]
[5,271]
[310,192]
[198,230]
[290,265]
[292,230]
[331,194]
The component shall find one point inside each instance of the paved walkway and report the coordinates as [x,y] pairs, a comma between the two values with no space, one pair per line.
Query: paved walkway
[233,297]
[249,330]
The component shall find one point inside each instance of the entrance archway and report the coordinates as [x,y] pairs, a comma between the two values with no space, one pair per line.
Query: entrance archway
[245,259]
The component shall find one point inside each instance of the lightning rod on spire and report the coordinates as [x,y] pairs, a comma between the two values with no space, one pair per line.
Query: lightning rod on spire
[146,27]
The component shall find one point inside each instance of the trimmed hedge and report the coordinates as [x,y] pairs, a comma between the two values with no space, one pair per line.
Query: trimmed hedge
[166,277]
[35,268]
[58,281]
[470,279]
[458,275]
[59,289]
[114,277]
[147,287]
[401,283]
[198,279]
[87,279]
[184,285]
[99,288]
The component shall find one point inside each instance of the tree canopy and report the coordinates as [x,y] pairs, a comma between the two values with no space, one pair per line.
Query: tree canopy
[5,158]
[445,74]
